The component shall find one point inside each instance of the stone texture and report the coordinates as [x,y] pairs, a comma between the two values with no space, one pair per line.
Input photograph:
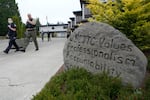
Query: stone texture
[98,47]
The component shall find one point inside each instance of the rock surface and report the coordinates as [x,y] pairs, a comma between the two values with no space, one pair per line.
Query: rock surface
[98,47]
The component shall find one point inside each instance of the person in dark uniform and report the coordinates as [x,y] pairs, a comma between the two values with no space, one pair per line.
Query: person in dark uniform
[42,36]
[48,36]
[12,36]
[30,33]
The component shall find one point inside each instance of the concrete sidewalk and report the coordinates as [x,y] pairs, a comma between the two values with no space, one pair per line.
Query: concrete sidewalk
[22,75]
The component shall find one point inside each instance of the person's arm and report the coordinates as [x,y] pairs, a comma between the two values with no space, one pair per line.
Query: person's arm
[12,28]
[33,22]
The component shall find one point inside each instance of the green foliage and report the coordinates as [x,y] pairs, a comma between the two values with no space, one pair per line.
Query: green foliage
[148,66]
[8,8]
[132,17]
[78,84]
[147,89]
[38,24]
[20,26]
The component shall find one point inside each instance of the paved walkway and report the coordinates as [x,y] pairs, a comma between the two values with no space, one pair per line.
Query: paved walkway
[24,74]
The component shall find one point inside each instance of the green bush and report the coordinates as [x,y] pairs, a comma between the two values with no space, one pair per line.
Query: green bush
[78,84]
[131,17]
[20,26]
[148,66]
[146,90]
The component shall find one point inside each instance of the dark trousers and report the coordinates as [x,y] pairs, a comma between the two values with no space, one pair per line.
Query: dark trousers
[48,36]
[30,34]
[42,35]
[11,43]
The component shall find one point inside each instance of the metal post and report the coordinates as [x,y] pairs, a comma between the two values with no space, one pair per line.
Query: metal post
[83,11]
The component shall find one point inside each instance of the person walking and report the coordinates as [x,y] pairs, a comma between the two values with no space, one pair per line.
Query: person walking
[12,34]
[42,36]
[48,36]
[30,33]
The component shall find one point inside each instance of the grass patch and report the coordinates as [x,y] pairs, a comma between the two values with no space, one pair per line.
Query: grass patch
[78,84]
[148,67]
[146,90]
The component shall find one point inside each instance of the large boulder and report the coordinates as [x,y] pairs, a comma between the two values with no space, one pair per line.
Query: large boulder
[98,47]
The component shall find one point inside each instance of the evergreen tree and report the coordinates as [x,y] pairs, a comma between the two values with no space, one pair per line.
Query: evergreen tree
[8,8]
[20,26]
[38,23]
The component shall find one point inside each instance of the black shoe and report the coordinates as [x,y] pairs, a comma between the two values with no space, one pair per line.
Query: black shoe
[36,49]
[17,50]
[23,50]
[5,52]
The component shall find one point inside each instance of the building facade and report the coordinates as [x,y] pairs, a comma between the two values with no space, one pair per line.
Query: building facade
[83,15]
[85,11]
[80,16]
[59,29]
